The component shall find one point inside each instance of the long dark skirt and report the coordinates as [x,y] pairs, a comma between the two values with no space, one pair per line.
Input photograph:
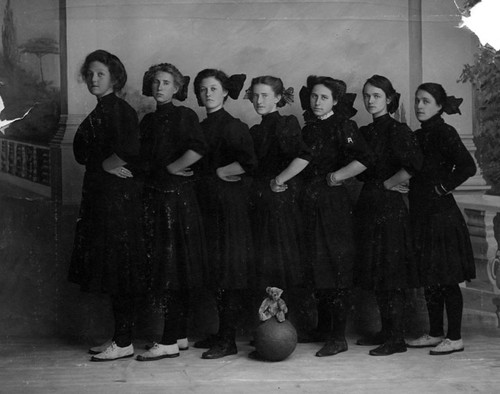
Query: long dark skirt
[109,254]
[175,239]
[277,234]
[443,248]
[225,210]
[329,238]
[385,258]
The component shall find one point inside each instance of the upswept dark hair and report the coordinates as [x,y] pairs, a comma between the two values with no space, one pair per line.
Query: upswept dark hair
[114,65]
[345,101]
[383,83]
[449,104]
[336,86]
[180,81]
[276,84]
[232,84]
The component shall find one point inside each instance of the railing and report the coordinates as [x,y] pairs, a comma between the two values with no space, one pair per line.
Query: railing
[482,213]
[26,164]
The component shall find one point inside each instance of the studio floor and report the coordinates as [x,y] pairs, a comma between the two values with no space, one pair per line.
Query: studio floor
[46,366]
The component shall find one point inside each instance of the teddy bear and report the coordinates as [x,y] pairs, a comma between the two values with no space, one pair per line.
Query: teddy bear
[273,305]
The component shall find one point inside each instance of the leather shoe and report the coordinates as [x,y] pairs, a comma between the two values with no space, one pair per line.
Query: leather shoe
[208,342]
[220,350]
[114,352]
[182,343]
[159,351]
[374,340]
[331,348]
[254,355]
[389,348]
[100,348]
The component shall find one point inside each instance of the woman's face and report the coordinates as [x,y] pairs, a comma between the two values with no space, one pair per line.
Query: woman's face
[375,100]
[163,87]
[212,94]
[321,100]
[425,105]
[99,80]
[264,99]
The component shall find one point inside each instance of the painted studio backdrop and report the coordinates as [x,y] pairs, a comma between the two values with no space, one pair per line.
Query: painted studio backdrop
[44,43]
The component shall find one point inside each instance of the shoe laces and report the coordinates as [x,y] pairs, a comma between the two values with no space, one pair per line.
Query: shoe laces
[445,342]
[110,348]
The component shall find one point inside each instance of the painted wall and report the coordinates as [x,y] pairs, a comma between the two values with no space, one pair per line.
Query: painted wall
[446,48]
[36,18]
[348,40]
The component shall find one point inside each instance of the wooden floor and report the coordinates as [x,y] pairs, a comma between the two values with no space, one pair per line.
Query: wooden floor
[49,366]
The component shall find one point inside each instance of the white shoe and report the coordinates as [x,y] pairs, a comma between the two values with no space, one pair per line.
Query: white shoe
[100,348]
[424,341]
[114,352]
[182,343]
[158,351]
[447,347]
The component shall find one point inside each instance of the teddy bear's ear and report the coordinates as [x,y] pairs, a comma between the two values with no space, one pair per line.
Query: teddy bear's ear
[268,290]
[279,291]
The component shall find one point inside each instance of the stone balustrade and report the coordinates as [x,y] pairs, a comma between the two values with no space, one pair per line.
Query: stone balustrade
[482,213]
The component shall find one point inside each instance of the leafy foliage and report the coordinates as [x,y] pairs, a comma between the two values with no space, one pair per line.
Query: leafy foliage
[484,75]
[21,89]
[40,47]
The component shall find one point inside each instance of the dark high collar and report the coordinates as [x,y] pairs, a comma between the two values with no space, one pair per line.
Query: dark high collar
[165,109]
[430,123]
[381,119]
[109,98]
[270,118]
[217,114]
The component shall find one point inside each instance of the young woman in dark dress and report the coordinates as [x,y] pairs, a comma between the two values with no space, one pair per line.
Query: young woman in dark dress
[442,243]
[108,255]
[275,213]
[223,195]
[171,141]
[385,262]
[338,152]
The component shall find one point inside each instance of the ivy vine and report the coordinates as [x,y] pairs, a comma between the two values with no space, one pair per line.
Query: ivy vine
[484,75]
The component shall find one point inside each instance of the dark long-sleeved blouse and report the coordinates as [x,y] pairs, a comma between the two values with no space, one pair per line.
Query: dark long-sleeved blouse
[228,140]
[447,164]
[112,127]
[277,140]
[165,136]
[394,147]
[334,143]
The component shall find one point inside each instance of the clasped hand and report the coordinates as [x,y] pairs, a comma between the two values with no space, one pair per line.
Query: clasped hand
[331,180]
[121,172]
[277,188]
[184,172]
[402,188]
[226,177]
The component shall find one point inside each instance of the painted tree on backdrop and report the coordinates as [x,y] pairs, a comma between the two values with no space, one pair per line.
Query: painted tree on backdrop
[21,90]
